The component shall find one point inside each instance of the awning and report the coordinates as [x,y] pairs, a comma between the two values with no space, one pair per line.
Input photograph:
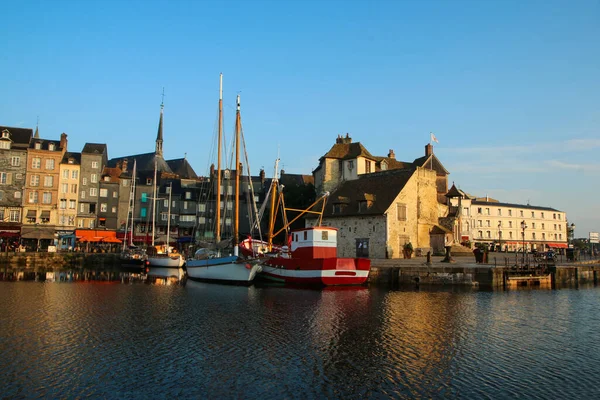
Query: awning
[94,235]
[558,245]
[45,214]
[31,214]
[7,234]
[111,240]
[30,232]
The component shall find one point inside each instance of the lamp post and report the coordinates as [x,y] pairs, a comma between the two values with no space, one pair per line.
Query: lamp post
[572,234]
[523,226]
[499,236]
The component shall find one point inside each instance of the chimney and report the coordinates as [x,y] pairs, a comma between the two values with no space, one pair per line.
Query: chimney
[125,162]
[63,141]
[391,154]
[338,140]
[212,170]
[428,149]
[282,173]
[347,139]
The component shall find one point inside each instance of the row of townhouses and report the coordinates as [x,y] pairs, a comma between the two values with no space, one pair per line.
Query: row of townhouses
[50,196]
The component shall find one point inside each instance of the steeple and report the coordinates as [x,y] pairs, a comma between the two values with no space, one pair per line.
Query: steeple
[159,136]
[37,132]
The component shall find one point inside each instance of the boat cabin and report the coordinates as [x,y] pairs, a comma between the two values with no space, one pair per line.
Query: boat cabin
[314,242]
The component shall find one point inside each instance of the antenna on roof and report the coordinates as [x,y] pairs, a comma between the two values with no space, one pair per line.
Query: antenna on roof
[162,101]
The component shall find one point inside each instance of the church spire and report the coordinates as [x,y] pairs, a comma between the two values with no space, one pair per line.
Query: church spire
[159,135]
[37,132]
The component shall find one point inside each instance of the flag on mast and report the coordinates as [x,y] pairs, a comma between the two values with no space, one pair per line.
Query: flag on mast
[433,138]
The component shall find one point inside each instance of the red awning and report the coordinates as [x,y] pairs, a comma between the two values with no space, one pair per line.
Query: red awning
[558,245]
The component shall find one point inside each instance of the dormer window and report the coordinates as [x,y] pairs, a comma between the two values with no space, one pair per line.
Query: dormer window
[384,165]
[51,147]
[38,146]
[339,208]
[362,205]
[107,179]
[351,165]
[148,181]
[5,134]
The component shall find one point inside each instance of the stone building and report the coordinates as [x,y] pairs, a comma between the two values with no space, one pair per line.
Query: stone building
[108,199]
[505,226]
[94,156]
[67,200]
[13,167]
[378,213]
[40,197]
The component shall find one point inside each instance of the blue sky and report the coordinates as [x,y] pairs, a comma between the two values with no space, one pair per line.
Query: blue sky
[511,89]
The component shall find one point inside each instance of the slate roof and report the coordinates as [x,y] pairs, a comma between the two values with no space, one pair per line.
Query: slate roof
[344,151]
[525,206]
[45,144]
[296,179]
[91,148]
[182,167]
[382,187]
[19,136]
[145,162]
[392,163]
[425,162]
[75,156]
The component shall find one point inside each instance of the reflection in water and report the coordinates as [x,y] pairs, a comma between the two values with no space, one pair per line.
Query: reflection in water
[213,341]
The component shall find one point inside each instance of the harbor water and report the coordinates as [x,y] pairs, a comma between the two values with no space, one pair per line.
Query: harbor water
[139,341]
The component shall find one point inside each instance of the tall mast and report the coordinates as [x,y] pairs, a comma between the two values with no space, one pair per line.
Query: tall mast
[132,202]
[236,224]
[274,184]
[154,203]
[218,203]
[169,216]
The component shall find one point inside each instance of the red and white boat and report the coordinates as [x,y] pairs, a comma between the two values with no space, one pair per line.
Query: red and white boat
[313,260]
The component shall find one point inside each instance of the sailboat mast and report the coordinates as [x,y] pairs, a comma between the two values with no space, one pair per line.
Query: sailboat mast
[154,204]
[218,201]
[274,192]
[132,202]
[236,224]
[169,216]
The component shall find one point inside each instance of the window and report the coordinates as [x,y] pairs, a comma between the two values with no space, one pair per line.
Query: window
[94,178]
[73,188]
[143,212]
[65,174]
[480,234]
[72,204]
[533,225]
[543,226]
[33,197]
[533,235]
[75,174]
[115,194]
[487,223]
[479,223]
[51,146]
[144,197]
[103,207]
[510,235]
[479,210]
[95,164]
[3,178]
[186,218]
[50,164]
[36,163]
[188,195]
[15,161]
[543,236]
[510,224]
[63,204]
[201,207]
[487,211]
[201,220]
[521,213]
[15,215]
[83,194]
[17,195]
[163,216]
[165,203]
[559,227]
[533,214]
[367,166]
[499,211]
[47,198]
[48,181]
[554,226]
[489,234]
[82,208]
[4,144]
[542,215]
[38,146]
[103,193]
[71,220]
[84,181]
[466,211]
[559,216]
[510,213]
[185,204]
[362,205]
[401,209]
[113,209]
[125,182]
[554,216]
[64,188]
[93,192]
[560,236]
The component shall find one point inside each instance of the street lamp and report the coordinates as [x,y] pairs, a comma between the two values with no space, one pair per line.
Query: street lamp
[499,235]
[572,233]
[523,226]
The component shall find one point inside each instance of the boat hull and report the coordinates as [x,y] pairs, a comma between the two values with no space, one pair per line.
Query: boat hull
[164,266]
[322,272]
[230,270]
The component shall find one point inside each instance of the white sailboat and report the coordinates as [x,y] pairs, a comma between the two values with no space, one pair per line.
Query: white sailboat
[132,256]
[215,267]
[163,264]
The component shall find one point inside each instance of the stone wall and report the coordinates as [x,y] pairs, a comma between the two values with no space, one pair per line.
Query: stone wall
[352,228]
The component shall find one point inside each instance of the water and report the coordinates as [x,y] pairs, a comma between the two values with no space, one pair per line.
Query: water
[74,340]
